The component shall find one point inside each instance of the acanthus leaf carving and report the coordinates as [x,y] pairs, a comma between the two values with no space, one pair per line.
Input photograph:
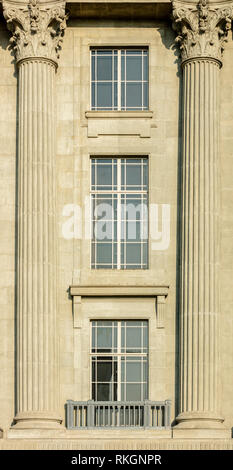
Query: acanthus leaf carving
[202,28]
[37,28]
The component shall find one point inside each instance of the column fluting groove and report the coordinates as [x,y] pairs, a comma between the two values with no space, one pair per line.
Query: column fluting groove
[37,395]
[199,306]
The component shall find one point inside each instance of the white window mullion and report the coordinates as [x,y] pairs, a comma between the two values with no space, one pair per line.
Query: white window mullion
[96,81]
[118,361]
[125,107]
[118,213]
[142,80]
[119,79]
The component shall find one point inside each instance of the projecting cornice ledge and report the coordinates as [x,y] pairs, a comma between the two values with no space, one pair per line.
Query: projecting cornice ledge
[80,293]
[118,291]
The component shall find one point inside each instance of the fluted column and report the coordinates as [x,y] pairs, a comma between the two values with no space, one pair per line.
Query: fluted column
[201,34]
[36,39]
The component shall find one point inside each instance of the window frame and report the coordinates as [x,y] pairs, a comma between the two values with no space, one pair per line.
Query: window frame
[118,107]
[119,355]
[120,242]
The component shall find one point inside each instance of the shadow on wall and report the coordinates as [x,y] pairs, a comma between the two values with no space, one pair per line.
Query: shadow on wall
[5,36]
[168,39]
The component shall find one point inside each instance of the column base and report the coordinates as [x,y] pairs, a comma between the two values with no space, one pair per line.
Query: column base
[34,423]
[195,425]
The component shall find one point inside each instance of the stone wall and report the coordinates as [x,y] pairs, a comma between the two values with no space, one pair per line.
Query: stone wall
[74,148]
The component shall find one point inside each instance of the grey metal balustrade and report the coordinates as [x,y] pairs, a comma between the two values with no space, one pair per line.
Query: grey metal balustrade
[115,414]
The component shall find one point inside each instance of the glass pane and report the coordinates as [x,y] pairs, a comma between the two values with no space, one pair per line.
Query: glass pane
[104,175]
[93,339]
[145,391]
[133,266]
[93,61]
[133,175]
[103,230]
[104,338]
[133,51]
[93,392]
[133,339]
[145,371]
[145,174]
[123,392]
[93,103]
[123,96]
[133,95]
[133,392]
[145,338]
[93,245]
[133,371]
[132,209]
[122,65]
[145,66]
[115,67]
[104,68]
[115,95]
[134,67]
[131,231]
[135,323]
[104,253]
[93,371]
[133,253]
[123,369]
[145,254]
[145,96]
[104,392]
[104,95]
[104,371]
[101,52]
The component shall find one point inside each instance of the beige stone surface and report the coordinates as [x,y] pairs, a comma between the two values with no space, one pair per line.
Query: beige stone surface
[74,146]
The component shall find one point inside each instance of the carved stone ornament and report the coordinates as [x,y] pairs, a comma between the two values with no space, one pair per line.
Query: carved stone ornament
[202,28]
[37,28]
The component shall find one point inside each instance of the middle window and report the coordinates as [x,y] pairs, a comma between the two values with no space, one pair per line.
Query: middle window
[119,193]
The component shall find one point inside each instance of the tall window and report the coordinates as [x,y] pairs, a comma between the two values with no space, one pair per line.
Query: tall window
[119,79]
[119,192]
[119,356]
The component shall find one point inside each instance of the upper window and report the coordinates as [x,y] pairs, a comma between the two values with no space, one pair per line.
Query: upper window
[119,79]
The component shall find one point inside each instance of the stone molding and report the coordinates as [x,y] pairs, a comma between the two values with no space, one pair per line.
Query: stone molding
[115,291]
[37,28]
[159,293]
[202,28]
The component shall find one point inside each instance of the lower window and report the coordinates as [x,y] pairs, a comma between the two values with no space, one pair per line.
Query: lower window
[119,356]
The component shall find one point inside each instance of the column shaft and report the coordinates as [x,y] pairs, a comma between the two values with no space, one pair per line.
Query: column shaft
[199,306]
[37,370]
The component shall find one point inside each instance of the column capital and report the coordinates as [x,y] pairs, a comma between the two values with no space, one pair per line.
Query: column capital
[37,28]
[202,28]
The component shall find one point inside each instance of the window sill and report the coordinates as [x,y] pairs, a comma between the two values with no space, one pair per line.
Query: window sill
[119,114]
[79,295]
[100,123]
[112,291]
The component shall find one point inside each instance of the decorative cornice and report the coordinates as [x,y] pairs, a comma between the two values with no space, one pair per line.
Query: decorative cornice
[202,28]
[37,28]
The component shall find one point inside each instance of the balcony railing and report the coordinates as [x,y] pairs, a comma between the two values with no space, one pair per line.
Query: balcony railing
[115,414]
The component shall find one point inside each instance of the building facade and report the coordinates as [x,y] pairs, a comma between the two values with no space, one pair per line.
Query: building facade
[116,217]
